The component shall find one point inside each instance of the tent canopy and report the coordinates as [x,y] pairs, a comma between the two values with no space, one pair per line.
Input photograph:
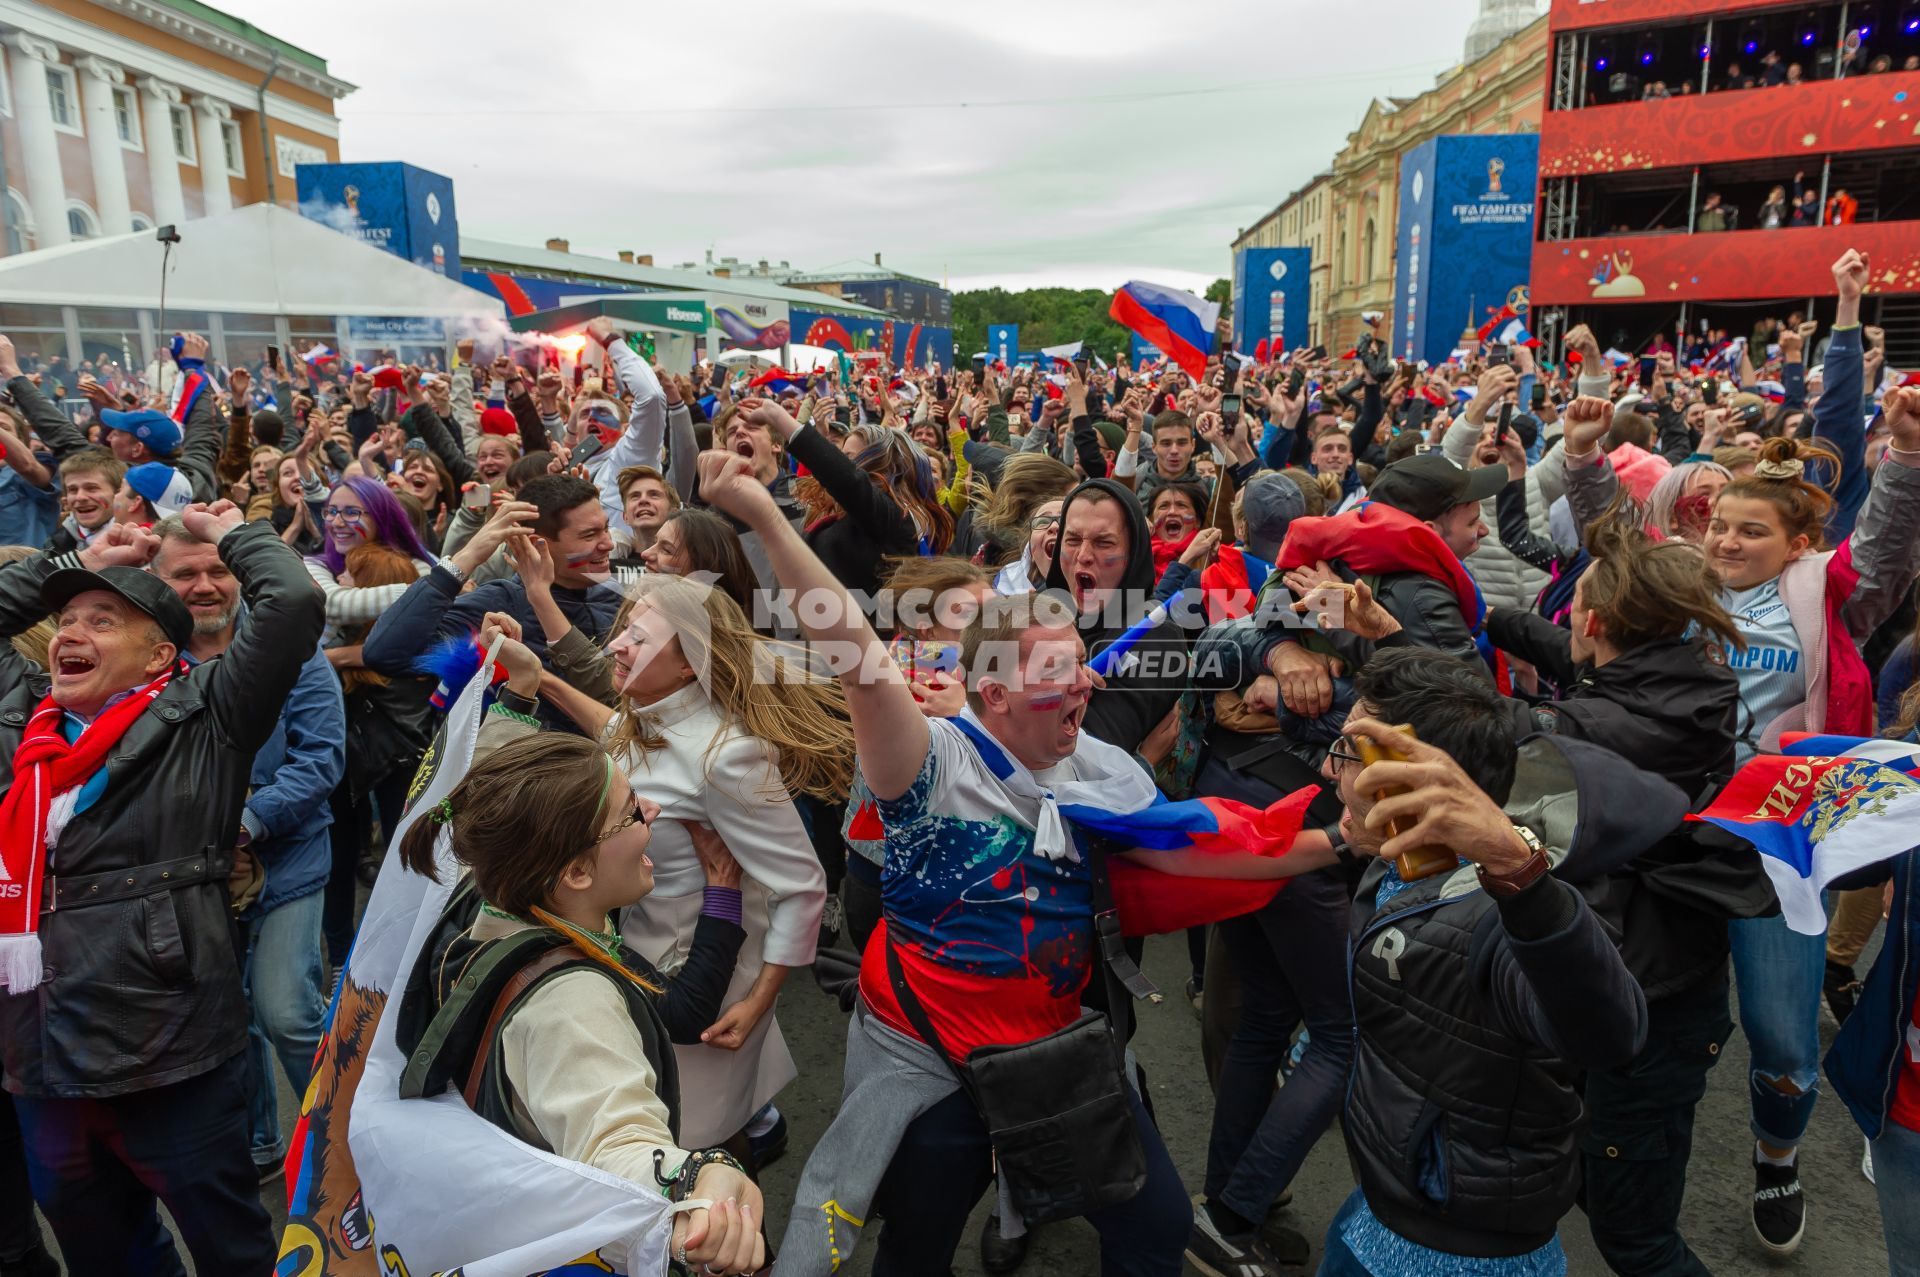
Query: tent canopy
[259,260]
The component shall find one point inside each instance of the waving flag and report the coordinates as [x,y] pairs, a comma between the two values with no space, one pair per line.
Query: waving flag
[1507,328]
[1815,818]
[319,355]
[1063,354]
[1178,323]
[380,1185]
[187,389]
[780,381]
[1902,755]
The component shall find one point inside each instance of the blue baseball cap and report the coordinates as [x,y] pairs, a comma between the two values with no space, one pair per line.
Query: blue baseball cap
[156,429]
[166,489]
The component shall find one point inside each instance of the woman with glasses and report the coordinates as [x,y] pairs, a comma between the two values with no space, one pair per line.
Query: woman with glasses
[388,720]
[579,1061]
[1022,516]
[713,724]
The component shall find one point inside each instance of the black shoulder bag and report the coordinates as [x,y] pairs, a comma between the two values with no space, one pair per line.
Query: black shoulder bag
[1057,1108]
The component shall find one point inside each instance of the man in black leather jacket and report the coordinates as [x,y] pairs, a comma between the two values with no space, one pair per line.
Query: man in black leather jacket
[125,1060]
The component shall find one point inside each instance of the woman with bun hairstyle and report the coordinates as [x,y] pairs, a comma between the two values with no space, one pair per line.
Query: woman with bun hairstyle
[1803,610]
[525,973]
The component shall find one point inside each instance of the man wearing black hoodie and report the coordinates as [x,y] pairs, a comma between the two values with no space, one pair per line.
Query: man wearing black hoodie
[1105,562]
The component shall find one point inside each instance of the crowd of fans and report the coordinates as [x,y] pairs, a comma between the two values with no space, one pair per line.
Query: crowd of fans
[818,670]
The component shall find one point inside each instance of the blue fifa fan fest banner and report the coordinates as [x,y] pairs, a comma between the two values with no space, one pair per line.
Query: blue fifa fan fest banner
[907,345]
[1140,351]
[524,294]
[398,208]
[1003,343]
[1270,291]
[1465,239]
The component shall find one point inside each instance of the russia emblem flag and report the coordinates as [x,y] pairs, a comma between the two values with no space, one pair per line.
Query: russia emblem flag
[1178,323]
[1814,818]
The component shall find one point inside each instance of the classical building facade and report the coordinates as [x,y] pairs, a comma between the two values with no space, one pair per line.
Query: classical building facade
[1348,215]
[1501,92]
[1299,221]
[120,115]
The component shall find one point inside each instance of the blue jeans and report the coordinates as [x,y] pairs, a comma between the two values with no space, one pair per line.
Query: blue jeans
[945,1162]
[286,979]
[1778,973]
[1896,1178]
[1291,960]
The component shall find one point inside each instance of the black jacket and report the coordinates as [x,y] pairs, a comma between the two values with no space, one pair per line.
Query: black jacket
[1475,1017]
[855,547]
[1670,706]
[141,988]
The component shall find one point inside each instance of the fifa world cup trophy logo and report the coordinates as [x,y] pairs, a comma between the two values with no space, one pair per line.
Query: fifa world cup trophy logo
[1495,168]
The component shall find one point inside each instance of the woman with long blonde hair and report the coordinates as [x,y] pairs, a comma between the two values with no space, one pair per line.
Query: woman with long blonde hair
[719,726]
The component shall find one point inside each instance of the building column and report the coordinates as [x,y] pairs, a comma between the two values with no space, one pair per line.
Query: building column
[46,189]
[217,188]
[157,100]
[97,82]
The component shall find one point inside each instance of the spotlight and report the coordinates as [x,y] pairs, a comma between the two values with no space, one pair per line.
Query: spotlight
[1603,55]
[1649,49]
[1910,20]
[1751,37]
[1807,34]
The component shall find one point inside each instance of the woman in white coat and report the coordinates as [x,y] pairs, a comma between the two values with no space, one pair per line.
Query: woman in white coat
[707,727]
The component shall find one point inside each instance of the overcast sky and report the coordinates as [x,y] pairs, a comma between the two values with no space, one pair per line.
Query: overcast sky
[1097,143]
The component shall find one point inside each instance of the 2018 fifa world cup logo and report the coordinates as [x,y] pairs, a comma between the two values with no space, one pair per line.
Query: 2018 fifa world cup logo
[1495,168]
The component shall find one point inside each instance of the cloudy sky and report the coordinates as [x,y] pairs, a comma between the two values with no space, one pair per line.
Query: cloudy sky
[986,142]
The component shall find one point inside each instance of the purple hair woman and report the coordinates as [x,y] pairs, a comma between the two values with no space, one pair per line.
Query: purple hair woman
[389,720]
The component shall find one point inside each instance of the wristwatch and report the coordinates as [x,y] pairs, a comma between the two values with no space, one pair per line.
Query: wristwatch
[1342,849]
[1508,885]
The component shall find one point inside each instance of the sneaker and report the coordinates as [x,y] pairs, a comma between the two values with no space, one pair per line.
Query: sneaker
[833,920]
[35,1263]
[1218,1255]
[1841,990]
[269,1171]
[1779,1209]
[1002,1254]
[1196,997]
[771,1147]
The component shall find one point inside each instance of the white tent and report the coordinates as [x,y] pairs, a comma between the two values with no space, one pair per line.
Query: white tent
[258,260]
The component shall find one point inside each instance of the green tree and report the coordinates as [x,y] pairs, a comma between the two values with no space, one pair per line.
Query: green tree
[1047,317]
[1220,290]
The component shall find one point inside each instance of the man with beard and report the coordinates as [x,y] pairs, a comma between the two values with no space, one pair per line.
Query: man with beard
[282,853]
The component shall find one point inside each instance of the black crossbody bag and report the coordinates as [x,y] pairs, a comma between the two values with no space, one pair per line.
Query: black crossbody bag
[1057,1108]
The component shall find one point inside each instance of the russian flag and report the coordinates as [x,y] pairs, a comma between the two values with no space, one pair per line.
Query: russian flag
[1176,322]
[1903,755]
[1771,391]
[1063,354]
[1507,328]
[779,381]
[1814,818]
[319,355]
[187,391]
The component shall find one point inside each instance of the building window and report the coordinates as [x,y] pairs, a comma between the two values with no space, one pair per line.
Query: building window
[182,134]
[63,99]
[81,223]
[230,142]
[6,89]
[126,117]
[20,236]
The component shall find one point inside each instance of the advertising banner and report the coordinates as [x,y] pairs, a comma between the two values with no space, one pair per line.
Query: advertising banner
[1465,239]
[1270,291]
[1003,343]
[1787,264]
[908,345]
[1857,114]
[397,208]
[903,299]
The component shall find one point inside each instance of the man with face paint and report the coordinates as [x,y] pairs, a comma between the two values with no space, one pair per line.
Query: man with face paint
[571,548]
[988,911]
